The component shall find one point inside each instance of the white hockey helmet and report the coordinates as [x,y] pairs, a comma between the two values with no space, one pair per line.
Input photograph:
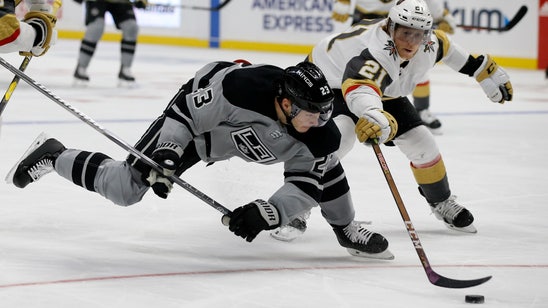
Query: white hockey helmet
[410,13]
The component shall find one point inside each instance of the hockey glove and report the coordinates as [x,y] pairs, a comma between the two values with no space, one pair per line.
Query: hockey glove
[494,81]
[41,18]
[167,155]
[376,124]
[341,10]
[446,23]
[141,4]
[249,220]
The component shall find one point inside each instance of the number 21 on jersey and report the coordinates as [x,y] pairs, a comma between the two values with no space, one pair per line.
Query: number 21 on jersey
[373,71]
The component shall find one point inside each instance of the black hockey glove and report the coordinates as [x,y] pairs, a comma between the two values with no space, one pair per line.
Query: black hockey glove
[249,220]
[167,155]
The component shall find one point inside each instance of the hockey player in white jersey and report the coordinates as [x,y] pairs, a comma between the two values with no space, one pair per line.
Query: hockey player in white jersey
[260,113]
[375,9]
[379,65]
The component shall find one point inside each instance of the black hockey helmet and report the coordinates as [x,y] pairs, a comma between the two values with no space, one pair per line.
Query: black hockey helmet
[306,87]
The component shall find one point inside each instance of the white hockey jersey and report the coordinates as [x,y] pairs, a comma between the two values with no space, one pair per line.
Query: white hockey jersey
[365,56]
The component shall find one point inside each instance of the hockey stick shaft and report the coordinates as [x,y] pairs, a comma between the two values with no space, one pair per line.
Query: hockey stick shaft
[15,81]
[181,6]
[433,277]
[113,137]
[511,24]
[13,84]
[192,7]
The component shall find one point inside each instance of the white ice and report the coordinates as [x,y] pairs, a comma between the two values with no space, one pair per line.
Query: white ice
[62,246]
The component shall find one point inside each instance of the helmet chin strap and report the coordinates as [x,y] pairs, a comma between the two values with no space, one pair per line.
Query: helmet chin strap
[288,117]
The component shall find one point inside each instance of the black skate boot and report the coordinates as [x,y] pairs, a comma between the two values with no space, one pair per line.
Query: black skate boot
[454,216]
[37,161]
[292,230]
[362,242]
[430,121]
[81,77]
[125,78]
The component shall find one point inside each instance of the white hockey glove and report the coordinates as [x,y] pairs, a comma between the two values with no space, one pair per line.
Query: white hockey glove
[446,23]
[376,124]
[341,10]
[494,80]
[167,155]
[42,19]
[249,220]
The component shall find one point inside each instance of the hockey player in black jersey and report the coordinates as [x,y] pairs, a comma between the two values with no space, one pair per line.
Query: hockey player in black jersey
[260,113]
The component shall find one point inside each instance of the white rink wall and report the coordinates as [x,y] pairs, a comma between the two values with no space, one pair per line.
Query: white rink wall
[296,25]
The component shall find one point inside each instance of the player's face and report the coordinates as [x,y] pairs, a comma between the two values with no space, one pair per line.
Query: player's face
[408,41]
[304,120]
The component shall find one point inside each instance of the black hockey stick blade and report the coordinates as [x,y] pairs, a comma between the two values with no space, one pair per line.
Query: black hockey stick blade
[445,282]
[511,24]
[517,18]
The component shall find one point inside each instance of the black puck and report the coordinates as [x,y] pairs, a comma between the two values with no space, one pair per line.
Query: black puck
[474,299]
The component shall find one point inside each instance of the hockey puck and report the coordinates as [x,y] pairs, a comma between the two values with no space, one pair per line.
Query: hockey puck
[474,299]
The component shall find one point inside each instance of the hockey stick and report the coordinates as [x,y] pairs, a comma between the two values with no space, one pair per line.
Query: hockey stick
[13,84]
[433,277]
[192,7]
[113,137]
[511,24]
[182,6]
[15,81]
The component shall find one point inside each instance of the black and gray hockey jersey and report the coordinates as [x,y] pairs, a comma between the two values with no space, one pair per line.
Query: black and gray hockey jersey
[228,110]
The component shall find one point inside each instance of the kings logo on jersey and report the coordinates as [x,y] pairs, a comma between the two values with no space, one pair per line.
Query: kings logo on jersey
[249,144]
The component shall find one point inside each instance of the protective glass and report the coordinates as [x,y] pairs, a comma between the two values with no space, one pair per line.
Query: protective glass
[324,114]
[411,35]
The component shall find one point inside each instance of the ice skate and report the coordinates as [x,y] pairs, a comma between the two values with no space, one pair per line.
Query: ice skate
[126,78]
[292,230]
[430,121]
[81,77]
[453,215]
[37,161]
[361,242]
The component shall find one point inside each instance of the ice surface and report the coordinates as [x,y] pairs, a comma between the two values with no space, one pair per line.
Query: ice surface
[62,246]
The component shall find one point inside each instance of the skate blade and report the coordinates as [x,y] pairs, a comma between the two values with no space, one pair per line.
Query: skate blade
[80,83]
[436,131]
[468,229]
[127,84]
[385,255]
[286,234]
[36,143]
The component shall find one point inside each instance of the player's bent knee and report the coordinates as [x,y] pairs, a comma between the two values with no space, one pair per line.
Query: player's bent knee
[419,145]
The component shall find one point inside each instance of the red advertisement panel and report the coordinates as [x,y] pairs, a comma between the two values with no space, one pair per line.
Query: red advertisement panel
[543,34]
